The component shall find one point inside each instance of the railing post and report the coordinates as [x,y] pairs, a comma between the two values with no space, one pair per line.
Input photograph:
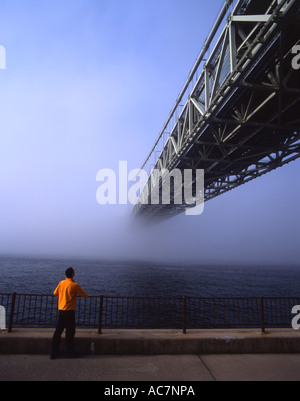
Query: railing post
[11,315]
[100,315]
[184,315]
[262,315]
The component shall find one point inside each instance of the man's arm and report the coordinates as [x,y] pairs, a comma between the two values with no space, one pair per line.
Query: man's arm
[56,291]
[81,292]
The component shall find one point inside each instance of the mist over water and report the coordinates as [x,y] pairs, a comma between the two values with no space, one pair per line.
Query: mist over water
[89,84]
[98,277]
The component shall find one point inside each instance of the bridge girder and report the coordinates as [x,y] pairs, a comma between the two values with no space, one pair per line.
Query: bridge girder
[240,119]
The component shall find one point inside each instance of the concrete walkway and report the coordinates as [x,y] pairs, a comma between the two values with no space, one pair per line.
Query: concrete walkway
[151,368]
[157,342]
[154,355]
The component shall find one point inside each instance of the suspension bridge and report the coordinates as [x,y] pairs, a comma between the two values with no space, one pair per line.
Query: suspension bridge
[238,114]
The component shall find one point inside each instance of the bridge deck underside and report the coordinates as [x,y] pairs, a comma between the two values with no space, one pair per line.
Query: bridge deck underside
[252,125]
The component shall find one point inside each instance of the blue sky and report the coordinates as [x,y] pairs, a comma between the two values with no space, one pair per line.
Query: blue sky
[89,83]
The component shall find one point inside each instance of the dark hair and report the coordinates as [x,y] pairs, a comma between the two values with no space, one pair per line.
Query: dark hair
[69,272]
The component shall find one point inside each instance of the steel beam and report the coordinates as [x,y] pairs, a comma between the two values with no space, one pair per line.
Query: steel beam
[240,119]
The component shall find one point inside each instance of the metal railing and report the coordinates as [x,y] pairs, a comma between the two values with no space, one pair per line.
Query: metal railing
[111,312]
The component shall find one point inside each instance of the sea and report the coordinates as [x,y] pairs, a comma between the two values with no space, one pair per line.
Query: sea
[40,275]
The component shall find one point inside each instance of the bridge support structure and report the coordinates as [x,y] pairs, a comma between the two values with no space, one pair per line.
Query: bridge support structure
[237,117]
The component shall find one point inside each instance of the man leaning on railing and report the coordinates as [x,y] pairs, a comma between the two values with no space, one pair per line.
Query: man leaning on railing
[66,291]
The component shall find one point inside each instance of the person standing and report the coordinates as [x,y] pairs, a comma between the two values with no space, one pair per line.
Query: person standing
[66,292]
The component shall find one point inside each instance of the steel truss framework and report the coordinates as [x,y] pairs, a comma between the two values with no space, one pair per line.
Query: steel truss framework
[242,117]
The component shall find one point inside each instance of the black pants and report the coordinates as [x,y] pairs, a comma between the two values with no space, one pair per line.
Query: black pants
[66,320]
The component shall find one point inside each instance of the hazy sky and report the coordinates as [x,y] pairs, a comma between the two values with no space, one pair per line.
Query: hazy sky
[89,83]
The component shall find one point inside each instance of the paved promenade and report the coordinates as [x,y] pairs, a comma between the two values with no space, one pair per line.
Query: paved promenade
[154,355]
[157,342]
[166,368]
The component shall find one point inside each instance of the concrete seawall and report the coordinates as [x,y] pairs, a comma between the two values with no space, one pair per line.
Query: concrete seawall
[156,342]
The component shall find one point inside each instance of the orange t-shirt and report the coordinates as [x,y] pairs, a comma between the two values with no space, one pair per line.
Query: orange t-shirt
[67,291]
